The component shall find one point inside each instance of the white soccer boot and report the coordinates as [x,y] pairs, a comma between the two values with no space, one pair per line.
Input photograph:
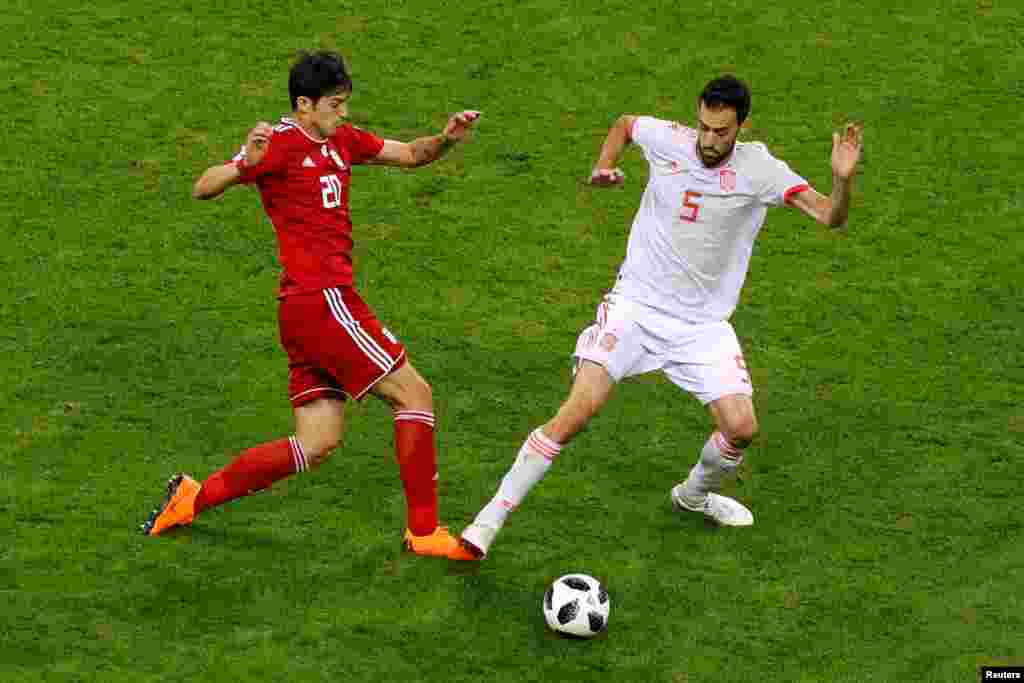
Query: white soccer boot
[718,508]
[479,538]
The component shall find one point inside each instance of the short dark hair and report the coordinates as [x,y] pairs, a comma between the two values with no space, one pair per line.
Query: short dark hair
[727,91]
[316,74]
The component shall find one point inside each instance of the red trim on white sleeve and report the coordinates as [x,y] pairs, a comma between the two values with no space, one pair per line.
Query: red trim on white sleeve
[796,189]
[632,129]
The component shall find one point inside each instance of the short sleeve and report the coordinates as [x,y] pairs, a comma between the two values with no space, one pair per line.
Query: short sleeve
[659,139]
[776,181]
[272,161]
[362,145]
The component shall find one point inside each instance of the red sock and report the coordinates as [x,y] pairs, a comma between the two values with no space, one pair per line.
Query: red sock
[417,465]
[253,470]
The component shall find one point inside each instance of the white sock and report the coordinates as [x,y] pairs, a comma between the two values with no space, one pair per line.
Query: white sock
[534,459]
[717,459]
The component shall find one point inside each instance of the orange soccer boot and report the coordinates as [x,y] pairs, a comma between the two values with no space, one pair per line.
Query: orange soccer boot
[440,543]
[178,510]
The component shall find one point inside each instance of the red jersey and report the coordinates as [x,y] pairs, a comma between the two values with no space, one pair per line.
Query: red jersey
[303,182]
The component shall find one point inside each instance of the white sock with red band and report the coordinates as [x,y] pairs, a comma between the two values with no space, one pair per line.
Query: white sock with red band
[532,463]
[717,459]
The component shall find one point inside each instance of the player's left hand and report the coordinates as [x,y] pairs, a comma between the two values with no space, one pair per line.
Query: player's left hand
[458,126]
[846,150]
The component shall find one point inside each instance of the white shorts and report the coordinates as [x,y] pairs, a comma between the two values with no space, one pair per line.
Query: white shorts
[632,339]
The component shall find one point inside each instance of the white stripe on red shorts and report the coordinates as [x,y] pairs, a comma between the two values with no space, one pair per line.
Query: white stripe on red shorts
[363,340]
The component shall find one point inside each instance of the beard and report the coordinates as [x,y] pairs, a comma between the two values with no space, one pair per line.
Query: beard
[711,157]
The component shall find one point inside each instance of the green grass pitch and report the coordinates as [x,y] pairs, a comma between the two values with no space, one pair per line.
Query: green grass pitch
[138,337]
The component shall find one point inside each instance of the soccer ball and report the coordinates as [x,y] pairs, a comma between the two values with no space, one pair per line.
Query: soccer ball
[577,605]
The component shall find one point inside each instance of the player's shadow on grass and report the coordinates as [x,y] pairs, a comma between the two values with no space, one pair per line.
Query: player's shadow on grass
[233,538]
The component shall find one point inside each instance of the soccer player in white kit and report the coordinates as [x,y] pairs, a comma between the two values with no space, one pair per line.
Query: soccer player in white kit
[687,258]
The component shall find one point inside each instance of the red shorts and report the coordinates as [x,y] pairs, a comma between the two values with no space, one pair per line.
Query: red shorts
[336,346]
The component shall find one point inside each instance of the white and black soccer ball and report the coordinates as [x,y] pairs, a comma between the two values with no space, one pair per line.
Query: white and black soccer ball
[577,605]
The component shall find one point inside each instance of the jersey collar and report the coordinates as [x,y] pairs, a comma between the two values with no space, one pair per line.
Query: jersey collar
[292,122]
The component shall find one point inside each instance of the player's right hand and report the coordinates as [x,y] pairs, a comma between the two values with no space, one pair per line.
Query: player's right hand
[607,177]
[256,142]
[458,126]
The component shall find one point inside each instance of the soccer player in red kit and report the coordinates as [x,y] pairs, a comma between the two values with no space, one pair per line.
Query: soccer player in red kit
[337,348]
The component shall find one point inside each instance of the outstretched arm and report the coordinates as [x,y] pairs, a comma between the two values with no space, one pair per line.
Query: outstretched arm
[605,171]
[426,150]
[833,210]
[216,179]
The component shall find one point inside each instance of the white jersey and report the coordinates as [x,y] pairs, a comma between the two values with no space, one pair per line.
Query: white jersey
[690,244]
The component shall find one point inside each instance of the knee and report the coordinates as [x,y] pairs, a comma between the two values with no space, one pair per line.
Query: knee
[741,431]
[320,449]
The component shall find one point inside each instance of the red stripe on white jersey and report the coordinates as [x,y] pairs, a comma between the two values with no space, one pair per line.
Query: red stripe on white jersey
[796,189]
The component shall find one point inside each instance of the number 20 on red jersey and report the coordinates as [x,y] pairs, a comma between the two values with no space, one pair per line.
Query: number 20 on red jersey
[331,191]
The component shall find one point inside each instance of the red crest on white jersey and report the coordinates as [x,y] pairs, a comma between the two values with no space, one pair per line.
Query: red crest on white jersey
[727,178]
